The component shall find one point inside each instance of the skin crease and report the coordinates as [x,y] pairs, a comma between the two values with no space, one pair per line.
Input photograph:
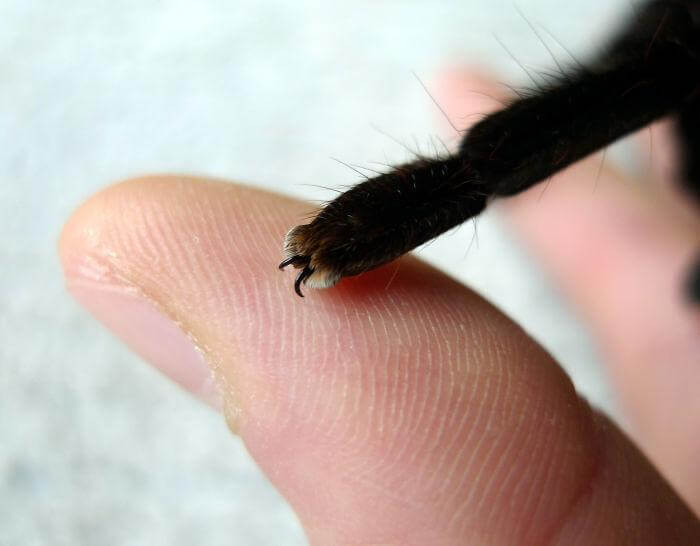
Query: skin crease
[396,408]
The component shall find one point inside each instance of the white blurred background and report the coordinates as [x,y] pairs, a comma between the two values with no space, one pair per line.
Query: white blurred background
[95,447]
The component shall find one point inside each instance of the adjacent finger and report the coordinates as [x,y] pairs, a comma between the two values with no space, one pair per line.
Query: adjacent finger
[661,164]
[621,250]
[623,259]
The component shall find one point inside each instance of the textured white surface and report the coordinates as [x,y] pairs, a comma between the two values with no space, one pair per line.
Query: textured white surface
[95,447]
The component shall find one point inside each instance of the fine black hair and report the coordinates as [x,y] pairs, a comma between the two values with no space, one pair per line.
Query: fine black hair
[650,69]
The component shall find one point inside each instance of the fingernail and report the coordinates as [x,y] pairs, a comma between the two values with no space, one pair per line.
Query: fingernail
[150,334]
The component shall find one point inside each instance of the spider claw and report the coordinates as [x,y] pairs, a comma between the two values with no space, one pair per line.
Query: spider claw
[301,278]
[294,260]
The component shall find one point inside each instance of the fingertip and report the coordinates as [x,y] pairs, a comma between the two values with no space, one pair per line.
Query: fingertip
[397,405]
[100,275]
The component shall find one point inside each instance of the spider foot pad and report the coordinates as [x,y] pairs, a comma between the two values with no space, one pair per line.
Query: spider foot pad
[311,272]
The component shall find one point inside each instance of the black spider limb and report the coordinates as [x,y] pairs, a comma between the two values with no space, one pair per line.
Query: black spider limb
[649,70]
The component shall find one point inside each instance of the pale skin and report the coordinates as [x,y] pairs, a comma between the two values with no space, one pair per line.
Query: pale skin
[420,414]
